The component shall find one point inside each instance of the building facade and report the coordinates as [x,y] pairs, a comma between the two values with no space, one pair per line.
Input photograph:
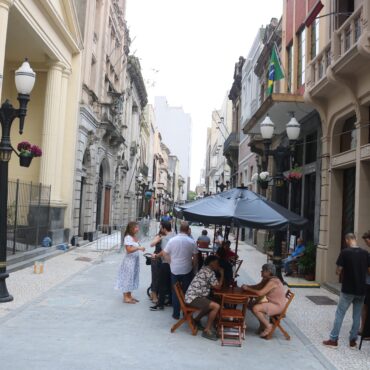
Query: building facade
[112,102]
[337,85]
[175,128]
[48,33]
[217,169]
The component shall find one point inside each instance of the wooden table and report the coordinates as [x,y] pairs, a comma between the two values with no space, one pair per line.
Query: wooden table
[234,291]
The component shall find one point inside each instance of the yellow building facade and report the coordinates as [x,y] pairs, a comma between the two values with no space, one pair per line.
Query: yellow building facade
[47,33]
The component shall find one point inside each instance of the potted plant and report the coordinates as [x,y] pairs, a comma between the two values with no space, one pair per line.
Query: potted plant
[307,263]
[27,152]
[294,175]
[262,178]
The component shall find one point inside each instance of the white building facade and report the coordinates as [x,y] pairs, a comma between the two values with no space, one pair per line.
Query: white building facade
[175,128]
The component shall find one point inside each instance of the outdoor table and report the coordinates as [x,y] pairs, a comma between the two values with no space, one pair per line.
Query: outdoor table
[234,291]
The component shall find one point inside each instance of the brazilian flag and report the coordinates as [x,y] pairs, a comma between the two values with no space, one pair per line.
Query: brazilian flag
[275,71]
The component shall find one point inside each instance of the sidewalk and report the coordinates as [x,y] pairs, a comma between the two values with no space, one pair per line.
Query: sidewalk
[314,321]
[83,324]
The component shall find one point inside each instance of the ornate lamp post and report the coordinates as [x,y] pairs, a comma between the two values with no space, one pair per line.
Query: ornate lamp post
[279,154]
[24,82]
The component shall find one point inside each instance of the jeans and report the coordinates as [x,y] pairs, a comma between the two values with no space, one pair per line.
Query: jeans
[185,281]
[156,265]
[164,283]
[345,301]
[286,263]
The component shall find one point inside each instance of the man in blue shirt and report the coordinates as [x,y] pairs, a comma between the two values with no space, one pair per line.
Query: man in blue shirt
[298,252]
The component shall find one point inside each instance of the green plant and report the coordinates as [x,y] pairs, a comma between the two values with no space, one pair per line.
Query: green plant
[308,261]
[268,246]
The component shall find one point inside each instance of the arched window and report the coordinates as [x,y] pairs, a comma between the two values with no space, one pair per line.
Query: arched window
[348,135]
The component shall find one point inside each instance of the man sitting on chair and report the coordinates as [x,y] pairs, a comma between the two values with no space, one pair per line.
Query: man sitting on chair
[298,252]
[198,293]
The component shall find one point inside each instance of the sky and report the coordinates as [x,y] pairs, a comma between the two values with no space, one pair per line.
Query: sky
[188,49]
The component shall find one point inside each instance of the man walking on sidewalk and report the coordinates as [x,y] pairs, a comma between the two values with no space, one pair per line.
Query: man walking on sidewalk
[183,253]
[353,265]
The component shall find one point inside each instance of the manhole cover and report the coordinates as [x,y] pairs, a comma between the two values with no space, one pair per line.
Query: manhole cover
[84,259]
[321,300]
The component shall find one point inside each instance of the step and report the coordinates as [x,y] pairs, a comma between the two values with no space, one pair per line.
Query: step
[29,262]
[24,256]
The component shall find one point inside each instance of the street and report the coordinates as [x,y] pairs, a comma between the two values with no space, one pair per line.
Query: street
[83,324]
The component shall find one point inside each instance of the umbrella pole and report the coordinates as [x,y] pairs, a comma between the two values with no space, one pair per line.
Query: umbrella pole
[237,240]
[214,237]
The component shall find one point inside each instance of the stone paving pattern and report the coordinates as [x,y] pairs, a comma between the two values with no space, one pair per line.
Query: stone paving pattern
[70,317]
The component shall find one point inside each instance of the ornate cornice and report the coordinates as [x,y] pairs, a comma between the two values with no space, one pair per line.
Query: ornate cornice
[134,70]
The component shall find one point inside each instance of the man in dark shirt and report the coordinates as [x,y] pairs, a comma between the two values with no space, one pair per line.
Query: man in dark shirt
[353,265]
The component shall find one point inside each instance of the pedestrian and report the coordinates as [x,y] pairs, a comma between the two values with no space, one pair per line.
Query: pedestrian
[182,253]
[164,273]
[155,264]
[353,264]
[365,308]
[128,273]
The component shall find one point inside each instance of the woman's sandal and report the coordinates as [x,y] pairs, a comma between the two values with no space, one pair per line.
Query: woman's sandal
[266,332]
[135,300]
[129,301]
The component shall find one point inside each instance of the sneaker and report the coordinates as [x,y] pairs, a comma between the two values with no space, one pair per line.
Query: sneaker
[176,317]
[156,308]
[330,343]
[209,335]
[353,344]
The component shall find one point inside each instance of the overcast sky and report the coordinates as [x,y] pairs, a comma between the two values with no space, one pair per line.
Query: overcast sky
[188,49]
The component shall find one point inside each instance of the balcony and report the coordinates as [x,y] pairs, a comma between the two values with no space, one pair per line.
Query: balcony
[345,54]
[231,144]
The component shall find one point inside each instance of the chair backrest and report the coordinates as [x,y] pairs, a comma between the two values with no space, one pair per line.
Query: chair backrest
[289,296]
[202,244]
[181,296]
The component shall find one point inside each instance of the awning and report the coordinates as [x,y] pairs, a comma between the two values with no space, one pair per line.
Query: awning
[313,14]
[278,107]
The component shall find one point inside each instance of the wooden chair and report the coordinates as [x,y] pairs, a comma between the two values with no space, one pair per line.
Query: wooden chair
[187,311]
[231,322]
[276,320]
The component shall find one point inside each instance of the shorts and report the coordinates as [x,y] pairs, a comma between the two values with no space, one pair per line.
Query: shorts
[202,303]
[367,295]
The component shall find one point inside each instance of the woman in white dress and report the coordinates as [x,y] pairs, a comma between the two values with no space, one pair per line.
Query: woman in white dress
[128,273]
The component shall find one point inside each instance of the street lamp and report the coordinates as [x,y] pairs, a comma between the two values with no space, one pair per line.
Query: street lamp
[24,82]
[222,186]
[279,154]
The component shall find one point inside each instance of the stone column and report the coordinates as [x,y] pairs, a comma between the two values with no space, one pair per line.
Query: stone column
[52,143]
[4,15]
[60,134]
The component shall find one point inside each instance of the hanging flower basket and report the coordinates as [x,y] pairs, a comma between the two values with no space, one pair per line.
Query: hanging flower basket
[294,175]
[27,152]
[25,161]
[262,178]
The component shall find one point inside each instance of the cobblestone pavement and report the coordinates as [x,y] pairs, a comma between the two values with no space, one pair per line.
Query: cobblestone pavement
[81,323]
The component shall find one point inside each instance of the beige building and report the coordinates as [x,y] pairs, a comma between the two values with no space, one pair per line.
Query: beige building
[47,32]
[338,81]
[113,98]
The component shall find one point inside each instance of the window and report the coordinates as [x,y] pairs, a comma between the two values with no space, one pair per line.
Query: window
[315,34]
[348,136]
[301,58]
[290,68]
